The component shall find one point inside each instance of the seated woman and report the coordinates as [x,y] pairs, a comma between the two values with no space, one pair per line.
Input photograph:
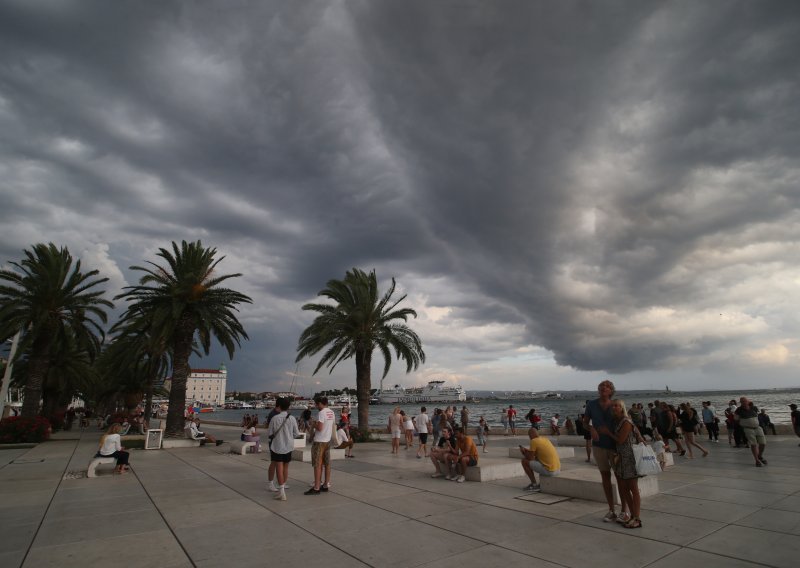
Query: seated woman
[249,435]
[111,447]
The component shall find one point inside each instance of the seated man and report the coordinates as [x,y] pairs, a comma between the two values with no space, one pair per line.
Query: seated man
[467,455]
[541,458]
[196,434]
[438,454]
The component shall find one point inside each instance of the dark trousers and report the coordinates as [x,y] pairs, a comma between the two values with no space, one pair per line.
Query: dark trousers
[713,430]
[122,457]
[738,435]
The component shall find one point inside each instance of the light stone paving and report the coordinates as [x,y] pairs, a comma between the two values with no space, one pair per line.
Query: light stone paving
[205,507]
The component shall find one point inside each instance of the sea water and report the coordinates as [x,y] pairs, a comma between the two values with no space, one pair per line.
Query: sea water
[776,403]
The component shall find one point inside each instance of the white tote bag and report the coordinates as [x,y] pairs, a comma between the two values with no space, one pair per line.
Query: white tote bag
[646,461]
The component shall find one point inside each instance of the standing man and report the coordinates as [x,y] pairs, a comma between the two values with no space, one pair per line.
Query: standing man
[423,424]
[747,418]
[511,415]
[542,457]
[710,421]
[795,419]
[464,418]
[321,447]
[598,415]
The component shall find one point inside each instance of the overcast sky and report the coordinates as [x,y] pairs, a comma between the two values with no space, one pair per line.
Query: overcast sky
[565,190]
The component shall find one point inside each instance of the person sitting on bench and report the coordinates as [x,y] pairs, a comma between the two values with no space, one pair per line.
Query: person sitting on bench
[542,457]
[197,434]
[111,447]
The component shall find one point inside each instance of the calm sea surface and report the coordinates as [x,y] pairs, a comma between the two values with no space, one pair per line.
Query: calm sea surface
[774,401]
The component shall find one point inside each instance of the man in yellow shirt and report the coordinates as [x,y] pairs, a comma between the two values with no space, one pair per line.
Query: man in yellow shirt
[466,455]
[541,458]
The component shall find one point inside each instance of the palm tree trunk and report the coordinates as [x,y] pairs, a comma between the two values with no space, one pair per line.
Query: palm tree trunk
[180,372]
[40,361]
[363,387]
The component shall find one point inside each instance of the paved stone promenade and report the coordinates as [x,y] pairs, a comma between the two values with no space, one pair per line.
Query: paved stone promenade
[202,507]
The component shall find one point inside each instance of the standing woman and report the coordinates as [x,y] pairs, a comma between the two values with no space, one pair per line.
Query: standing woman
[689,425]
[395,427]
[625,435]
[408,426]
[282,431]
[111,447]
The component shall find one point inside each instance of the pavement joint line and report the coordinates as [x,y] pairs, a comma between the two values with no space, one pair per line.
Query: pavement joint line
[160,514]
[336,546]
[50,502]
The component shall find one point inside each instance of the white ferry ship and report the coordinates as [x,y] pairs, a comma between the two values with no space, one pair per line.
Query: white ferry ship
[434,391]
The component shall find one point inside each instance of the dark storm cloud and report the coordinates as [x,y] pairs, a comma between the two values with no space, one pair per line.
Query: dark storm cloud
[595,175]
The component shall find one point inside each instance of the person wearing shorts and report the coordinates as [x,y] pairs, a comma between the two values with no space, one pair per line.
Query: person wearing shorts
[541,458]
[282,431]
[467,455]
[395,428]
[597,415]
[747,417]
[422,422]
[321,447]
[511,415]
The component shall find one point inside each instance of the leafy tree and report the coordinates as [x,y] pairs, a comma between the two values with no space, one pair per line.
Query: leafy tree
[49,298]
[359,322]
[183,302]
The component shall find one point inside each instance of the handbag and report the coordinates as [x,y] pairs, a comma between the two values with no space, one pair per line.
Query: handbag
[334,437]
[646,461]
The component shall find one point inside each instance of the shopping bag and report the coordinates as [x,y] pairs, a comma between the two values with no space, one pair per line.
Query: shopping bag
[646,461]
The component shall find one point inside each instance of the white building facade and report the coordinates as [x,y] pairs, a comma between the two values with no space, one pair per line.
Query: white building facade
[207,386]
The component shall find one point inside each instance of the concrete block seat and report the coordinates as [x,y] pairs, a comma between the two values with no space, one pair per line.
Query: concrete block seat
[91,471]
[489,469]
[567,440]
[240,447]
[585,483]
[168,443]
[563,453]
[304,454]
[300,442]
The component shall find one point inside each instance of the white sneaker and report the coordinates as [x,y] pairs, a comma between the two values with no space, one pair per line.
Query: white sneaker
[280,496]
[435,475]
[485,451]
[272,487]
[460,479]
[449,477]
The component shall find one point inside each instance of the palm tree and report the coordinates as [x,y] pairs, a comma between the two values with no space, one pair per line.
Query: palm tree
[358,323]
[47,299]
[181,302]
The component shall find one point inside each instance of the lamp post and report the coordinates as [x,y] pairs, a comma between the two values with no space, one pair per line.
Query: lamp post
[7,374]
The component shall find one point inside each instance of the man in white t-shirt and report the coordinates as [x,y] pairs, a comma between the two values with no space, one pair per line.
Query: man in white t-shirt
[321,446]
[555,428]
[423,424]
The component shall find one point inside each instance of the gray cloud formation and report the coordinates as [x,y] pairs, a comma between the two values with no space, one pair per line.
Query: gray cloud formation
[616,183]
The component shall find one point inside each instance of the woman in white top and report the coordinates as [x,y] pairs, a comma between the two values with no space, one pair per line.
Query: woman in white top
[111,446]
[408,426]
[249,435]
[395,428]
[282,431]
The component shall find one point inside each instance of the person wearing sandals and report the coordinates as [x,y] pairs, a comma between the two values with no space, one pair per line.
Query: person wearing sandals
[625,435]
[111,447]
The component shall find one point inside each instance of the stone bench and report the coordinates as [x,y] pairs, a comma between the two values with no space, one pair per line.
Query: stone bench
[300,442]
[304,454]
[241,448]
[585,483]
[490,470]
[91,471]
[563,452]
[168,443]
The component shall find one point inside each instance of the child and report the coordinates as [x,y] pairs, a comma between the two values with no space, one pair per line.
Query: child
[658,450]
[482,428]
